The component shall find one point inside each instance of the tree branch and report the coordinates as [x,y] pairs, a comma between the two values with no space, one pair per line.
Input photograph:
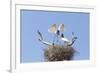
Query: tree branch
[73,40]
[46,43]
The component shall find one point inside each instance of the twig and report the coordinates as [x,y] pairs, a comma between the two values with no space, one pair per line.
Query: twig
[73,40]
[46,43]
[42,40]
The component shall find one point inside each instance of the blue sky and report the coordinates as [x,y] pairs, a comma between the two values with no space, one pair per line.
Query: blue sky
[32,20]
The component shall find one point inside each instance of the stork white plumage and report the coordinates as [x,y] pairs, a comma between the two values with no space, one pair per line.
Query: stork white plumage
[65,39]
[61,27]
[56,30]
[53,29]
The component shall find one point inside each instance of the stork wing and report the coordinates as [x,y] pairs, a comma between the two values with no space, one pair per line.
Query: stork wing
[61,27]
[53,28]
[46,43]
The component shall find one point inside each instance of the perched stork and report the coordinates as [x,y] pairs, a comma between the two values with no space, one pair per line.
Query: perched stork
[56,31]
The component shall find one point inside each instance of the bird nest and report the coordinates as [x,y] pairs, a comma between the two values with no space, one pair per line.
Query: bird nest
[58,53]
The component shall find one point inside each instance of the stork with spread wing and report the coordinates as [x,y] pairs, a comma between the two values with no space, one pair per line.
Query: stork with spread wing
[56,30]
